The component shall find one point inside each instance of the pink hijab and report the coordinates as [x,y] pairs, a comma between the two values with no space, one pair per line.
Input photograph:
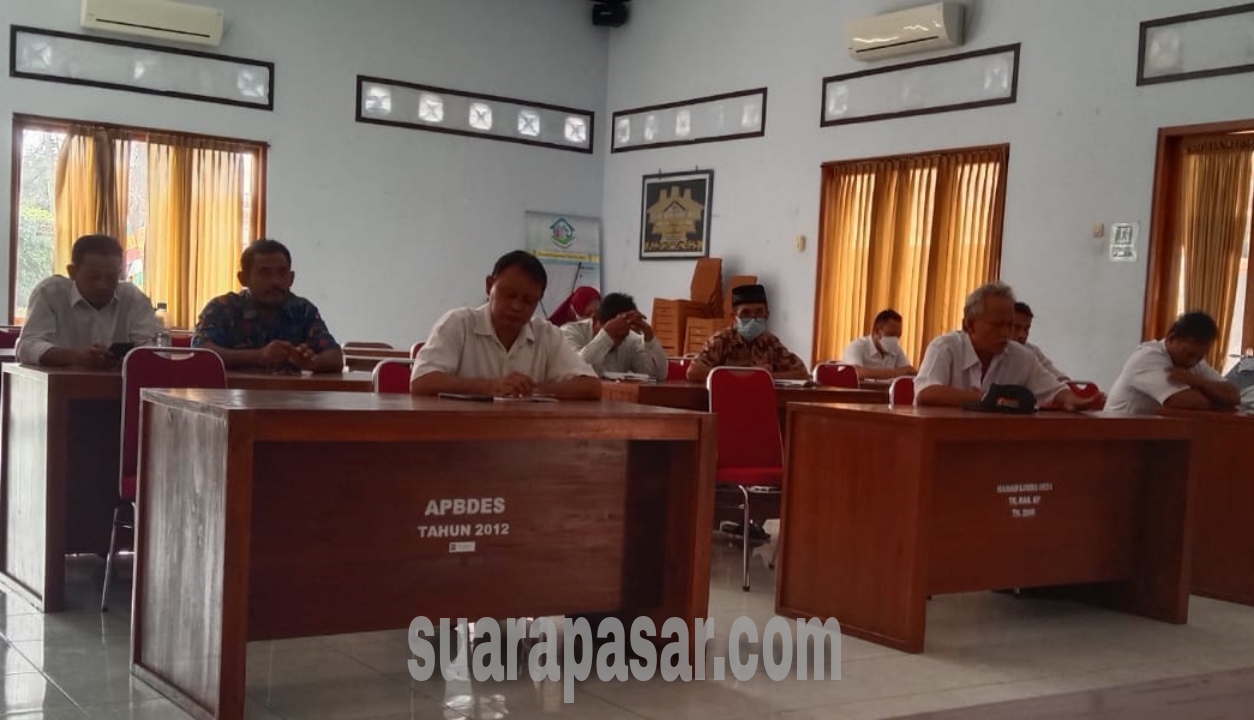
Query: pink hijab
[575,306]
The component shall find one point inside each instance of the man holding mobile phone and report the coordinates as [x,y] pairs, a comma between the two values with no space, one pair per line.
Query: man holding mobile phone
[73,321]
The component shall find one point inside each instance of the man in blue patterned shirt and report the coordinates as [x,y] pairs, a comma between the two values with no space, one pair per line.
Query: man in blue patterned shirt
[265,325]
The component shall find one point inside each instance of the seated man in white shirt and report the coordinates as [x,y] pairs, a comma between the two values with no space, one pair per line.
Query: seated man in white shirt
[72,321]
[1173,373]
[959,367]
[1022,328]
[879,356]
[617,339]
[502,348]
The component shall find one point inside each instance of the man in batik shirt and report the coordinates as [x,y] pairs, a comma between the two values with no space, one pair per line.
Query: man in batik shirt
[747,343]
[265,326]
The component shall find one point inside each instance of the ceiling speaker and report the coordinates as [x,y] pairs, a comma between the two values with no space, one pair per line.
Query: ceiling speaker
[612,13]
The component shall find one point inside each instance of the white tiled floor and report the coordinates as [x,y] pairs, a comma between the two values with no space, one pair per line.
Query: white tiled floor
[982,648]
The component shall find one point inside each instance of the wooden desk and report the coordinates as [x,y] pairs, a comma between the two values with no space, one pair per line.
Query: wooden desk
[59,462]
[607,509]
[1223,514]
[883,507]
[694,396]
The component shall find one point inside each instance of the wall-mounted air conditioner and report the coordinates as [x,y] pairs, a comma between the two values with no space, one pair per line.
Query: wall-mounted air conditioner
[178,22]
[929,27]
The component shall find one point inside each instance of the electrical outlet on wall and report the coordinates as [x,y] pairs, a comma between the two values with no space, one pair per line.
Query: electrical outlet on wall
[800,243]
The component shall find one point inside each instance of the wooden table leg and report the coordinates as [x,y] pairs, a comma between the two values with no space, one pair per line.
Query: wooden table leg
[189,632]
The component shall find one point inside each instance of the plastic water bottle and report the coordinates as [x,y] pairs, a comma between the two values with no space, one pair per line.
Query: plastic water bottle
[163,330]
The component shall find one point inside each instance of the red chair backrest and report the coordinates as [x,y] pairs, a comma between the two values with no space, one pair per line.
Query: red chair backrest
[150,367]
[901,392]
[836,375]
[748,417]
[1084,389]
[677,369]
[413,351]
[8,339]
[181,341]
[392,376]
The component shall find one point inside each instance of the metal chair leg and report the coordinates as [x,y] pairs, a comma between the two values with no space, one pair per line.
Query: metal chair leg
[744,537]
[108,575]
[775,552]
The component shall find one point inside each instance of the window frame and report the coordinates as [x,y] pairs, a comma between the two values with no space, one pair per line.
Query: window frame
[23,122]
[1161,251]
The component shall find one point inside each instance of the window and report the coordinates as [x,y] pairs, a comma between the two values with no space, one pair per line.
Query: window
[529,123]
[1200,237]
[183,207]
[914,233]
[480,116]
[430,108]
[576,130]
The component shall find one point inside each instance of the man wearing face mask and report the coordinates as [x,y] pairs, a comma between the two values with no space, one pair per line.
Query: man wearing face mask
[747,343]
[879,356]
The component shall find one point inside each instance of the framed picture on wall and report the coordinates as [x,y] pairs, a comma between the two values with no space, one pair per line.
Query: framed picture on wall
[675,215]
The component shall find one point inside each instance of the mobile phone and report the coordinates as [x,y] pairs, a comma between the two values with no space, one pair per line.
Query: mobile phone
[119,350]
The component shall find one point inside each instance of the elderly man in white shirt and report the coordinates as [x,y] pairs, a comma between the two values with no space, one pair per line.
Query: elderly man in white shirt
[502,348]
[1023,328]
[1173,373]
[959,367]
[616,339]
[879,356]
[72,321]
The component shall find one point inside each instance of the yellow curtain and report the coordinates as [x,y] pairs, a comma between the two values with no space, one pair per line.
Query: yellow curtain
[196,228]
[166,252]
[91,191]
[915,234]
[1213,212]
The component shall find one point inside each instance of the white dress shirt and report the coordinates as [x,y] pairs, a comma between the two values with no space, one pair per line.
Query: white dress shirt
[1049,366]
[633,354]
[951,361]
[59,317]
[863,353]
[464,343]
[1142,386]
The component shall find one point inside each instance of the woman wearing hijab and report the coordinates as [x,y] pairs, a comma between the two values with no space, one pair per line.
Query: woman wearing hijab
[581,304]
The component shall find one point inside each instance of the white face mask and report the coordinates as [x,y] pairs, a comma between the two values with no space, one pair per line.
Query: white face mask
[890,345]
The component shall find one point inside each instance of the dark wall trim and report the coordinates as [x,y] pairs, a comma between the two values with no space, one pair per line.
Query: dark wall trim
[1000,50]
[1176,20]
[15,30]
[686,103]
[360,117]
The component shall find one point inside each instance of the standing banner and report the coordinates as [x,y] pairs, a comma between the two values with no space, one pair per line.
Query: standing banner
[570,248]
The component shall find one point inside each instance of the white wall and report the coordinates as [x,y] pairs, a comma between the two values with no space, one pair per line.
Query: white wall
[1082,141]
[389,227]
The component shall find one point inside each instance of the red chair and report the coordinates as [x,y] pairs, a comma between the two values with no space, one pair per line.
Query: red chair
[677,369]
[413,351]
[180,341]
[836,375]
[8,339]
[901,391]
[148,367]
[392,376]
[1084,389]
[750,448]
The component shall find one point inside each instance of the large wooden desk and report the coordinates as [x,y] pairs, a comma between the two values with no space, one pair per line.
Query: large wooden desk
[273,515]
[59,462]
[1223,516]
[694,396]
[884,507]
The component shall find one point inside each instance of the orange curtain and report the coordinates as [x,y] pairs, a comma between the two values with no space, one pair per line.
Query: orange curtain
[1212,212]
[204,204]
[915,234]
[91,191]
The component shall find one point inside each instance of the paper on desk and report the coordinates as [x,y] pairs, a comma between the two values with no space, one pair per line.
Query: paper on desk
[628,377]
